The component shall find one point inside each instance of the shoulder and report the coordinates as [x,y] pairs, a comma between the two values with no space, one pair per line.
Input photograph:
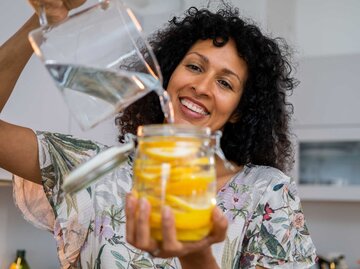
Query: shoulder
[56,147]
[261,172]
[68,142]
[263,178]
[59,154]
[249,190]
[278,188]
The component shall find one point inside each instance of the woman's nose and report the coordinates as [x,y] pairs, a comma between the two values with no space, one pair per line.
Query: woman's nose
[203,85]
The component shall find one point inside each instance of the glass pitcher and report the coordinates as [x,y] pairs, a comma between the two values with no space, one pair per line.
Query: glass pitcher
[174,166]
[99,60]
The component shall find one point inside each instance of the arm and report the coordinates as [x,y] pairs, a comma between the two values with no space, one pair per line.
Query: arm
[18,145]
[18,151]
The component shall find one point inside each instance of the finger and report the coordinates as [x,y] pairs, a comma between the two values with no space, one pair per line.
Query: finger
[47,5]
[170,243]
[130,211]
[36,4]
[52,4]
[71,4]
[55,10]
[220,224]
[67,4]
[142,234]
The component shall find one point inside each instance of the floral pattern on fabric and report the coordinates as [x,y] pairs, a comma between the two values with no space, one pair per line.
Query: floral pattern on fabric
[266,223]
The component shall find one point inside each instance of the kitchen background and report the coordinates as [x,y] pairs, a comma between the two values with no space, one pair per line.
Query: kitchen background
[325,35]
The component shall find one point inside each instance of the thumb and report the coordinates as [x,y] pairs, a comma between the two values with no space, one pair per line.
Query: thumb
[220,225]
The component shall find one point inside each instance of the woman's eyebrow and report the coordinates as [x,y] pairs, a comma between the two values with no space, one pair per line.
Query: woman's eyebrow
[225,70]
[203,57]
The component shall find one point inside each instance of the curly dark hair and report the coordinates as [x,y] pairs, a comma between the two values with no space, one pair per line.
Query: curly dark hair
[261,134]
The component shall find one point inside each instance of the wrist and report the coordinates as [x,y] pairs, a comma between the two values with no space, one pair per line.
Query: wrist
[201,259]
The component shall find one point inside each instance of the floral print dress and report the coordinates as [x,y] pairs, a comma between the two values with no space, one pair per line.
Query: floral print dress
[266,222]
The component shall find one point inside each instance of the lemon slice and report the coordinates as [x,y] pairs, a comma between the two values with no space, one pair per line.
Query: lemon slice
[180,172]
[170,148]
[201,161]
[190,187]
[154,201]
[180,204]
[169,154]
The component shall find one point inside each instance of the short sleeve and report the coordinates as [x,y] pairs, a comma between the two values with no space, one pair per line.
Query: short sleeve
[277,235]
[68,217]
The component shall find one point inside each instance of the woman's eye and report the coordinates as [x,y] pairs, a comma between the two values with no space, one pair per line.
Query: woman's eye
[193,67]
[225,84]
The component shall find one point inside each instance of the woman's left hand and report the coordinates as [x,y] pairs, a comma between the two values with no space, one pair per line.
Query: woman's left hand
[138,233]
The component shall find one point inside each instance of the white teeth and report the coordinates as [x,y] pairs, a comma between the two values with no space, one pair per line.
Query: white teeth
[190,105]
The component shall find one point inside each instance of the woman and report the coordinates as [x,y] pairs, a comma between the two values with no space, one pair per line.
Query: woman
[220,72]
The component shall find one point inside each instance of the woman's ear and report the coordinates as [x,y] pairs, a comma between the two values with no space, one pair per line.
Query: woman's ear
[234,117]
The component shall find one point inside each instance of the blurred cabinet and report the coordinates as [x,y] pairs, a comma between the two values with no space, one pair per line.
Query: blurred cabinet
[331,163]
[328,164]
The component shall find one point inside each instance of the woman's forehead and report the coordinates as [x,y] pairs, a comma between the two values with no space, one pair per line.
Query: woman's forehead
[225,57]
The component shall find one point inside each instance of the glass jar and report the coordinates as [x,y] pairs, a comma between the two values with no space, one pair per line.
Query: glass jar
[174,166]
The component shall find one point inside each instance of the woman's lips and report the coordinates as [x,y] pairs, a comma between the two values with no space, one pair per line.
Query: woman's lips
[192,108]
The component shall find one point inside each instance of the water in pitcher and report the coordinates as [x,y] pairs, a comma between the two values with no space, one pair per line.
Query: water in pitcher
[93,94]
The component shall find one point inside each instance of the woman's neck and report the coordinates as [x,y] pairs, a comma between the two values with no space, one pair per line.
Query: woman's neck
[223,174]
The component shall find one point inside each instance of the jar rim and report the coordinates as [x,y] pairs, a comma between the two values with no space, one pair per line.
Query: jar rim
[173,130]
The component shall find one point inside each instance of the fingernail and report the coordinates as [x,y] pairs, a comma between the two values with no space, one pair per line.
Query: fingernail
[166,211]
[130,203]
[142,204]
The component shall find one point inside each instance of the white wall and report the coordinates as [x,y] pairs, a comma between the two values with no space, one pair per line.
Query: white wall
[35,101]
[328,27]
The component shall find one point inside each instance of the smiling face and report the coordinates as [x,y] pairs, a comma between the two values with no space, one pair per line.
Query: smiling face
[207,85]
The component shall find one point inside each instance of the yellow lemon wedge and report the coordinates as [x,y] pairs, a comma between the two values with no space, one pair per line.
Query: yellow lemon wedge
[170,148]
[170,154]
[154,202]
[181,204]
[189,186]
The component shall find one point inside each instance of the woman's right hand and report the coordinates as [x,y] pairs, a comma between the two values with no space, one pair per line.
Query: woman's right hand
[195,254]
[56,10]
